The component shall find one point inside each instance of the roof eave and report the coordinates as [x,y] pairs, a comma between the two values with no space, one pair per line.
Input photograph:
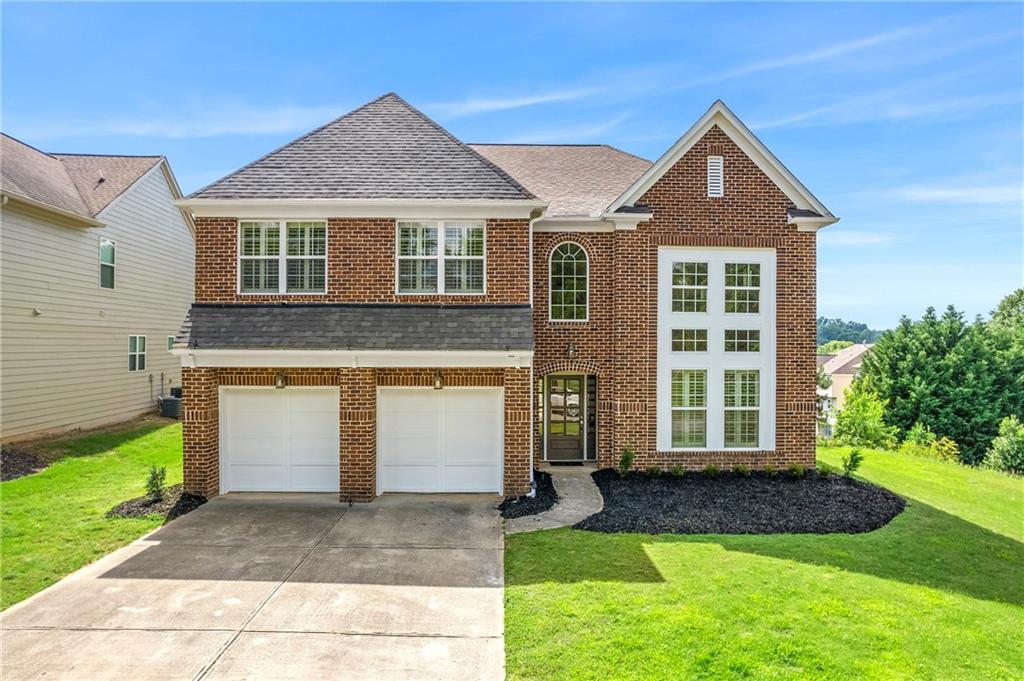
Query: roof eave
[72,217]
[812,224]
[365,208]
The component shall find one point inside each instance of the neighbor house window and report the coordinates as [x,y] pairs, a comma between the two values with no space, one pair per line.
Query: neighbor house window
[742,403]
[690,287]
[689,407]
[136,353]
[742,340]
[170,343]
[107,256]
[569,278]
[742,287]
[689,340]
[441,257]
[282,256]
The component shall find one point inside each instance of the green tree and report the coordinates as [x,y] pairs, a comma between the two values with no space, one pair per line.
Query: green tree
[861,421]
[837,329]
[1010,311]
[833,346]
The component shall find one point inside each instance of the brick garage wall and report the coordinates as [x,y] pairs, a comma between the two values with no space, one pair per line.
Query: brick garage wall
[622,338]
[357,416]
[361,264]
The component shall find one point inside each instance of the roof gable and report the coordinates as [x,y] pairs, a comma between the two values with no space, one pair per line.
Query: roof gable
[39,177]
[719,115]
[385,149]
[101,179]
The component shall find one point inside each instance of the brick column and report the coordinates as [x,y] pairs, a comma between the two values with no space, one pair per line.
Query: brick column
[358,445]
[200,431]
[517,431]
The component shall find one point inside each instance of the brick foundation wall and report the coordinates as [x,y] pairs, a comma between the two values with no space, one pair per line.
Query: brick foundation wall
[357,419]
[619,343]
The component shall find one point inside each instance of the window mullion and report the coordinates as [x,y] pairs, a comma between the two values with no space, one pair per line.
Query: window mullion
[441,240]
[282,255]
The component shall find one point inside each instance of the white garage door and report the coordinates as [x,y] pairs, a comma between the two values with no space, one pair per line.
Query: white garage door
[439,440]
[279,440]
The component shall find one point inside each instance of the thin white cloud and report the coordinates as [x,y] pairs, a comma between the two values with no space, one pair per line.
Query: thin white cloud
[212,120]
[570,134]
[986,194]
[852,237]
[469,107]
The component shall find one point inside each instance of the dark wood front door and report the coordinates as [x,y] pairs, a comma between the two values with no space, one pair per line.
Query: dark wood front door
[565,418]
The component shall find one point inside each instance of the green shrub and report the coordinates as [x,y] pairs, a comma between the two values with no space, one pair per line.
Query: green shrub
[824,470]
[860,424]
[654,471]
[740,469]
[711,470]
[851,462]
[156,483]
[626,460]
[1007,451]
[923,443]
[920,434]
[795,470]
[770,471]
[677,471]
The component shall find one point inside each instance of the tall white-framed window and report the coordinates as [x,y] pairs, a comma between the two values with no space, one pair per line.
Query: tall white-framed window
[569,280]
[739,411]
[282,257]
[689,408]
[440,257]
[108,265]
[136,353]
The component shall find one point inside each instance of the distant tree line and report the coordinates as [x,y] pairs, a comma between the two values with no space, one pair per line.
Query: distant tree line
[839,330]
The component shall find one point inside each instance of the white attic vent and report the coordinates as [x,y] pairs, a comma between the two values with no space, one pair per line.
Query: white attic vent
[716,181]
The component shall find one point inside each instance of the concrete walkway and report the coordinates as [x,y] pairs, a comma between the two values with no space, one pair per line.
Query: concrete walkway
[578,498]
[280,587]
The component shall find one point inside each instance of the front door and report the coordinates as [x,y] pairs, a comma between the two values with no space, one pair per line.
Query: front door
[565,418]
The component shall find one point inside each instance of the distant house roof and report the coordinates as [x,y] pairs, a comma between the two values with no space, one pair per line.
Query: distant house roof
[358,327]
[385,149]
[822,359]
[574,179]
[847,360]
[74,183]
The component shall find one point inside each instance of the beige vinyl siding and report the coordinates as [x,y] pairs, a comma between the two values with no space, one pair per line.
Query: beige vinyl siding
[68,366]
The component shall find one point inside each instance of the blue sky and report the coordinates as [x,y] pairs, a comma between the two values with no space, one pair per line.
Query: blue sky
[905,120]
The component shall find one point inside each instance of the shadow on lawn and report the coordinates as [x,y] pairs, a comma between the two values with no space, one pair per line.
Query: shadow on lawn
[97,442]
[923,546]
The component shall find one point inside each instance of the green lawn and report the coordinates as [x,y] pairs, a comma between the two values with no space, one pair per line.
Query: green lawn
[53,523]
[936,594]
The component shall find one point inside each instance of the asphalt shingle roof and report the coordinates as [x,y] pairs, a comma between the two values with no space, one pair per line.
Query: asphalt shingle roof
[357,327]
[385,149]
[574,179]
[70,182]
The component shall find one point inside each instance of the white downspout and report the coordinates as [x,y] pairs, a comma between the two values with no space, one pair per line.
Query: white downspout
[533,392]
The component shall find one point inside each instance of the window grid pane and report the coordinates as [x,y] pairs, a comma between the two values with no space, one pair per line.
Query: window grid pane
[689,428]
[417,275]
[260,275]
[742,340]
[463,240]
[463,276]
[742,388]
[569,283]
[689,340]
[741,428]
[742,283]
[417,239]
[107,249]
[306,275]
[107,276]
[307,239]
[689,408]
[690,287]
[689,387]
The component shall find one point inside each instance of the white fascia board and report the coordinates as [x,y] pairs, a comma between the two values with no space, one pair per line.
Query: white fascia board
[191,357]
[812,224]
[720,115]
[76,218]
[606,222]
[362,208]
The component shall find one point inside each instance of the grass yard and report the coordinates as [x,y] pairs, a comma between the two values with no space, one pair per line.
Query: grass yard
[52,522]
[936,594]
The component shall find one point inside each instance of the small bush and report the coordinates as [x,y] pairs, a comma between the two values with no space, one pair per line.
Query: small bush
[824,470]
[626,460]
[711,470]
[923,443]
[920,434]
[1007,451]
[654,471]
[156,483]
[770,471]
[851,462]
[860,424]
[795,470]
[740,469]
[677,471]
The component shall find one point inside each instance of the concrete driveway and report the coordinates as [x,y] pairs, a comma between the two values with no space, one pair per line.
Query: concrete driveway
[280,587]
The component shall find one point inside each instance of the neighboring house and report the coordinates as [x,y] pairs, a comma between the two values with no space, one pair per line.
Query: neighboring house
[842,368]
[382,308]
[97,267]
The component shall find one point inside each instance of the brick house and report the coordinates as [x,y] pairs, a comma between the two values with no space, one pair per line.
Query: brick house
[381,307]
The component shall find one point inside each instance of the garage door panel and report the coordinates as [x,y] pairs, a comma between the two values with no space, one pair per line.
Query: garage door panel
[314,425]
[255,424]
[248,478]
[410,424]
[256,451]
[472,478]
[313,478]
[411,478]
[310,450]
[257,400]
[301,401]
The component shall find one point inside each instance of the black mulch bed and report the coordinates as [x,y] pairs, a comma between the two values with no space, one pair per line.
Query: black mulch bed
[730,503]
[173,504]
[516,507]
[16,462]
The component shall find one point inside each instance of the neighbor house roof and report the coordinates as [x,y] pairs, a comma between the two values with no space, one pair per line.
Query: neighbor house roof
[385,149]
[574,179]
[823,359]
[357,327]
[80,184]
[847,360]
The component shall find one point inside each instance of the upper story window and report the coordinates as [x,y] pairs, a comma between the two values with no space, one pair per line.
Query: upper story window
[569,283]
[282,256]
[716,176]
[441,257]
[107,256]
[742,287]
[690,287]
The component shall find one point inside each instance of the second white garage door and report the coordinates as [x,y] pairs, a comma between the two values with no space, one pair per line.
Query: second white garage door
[447,440]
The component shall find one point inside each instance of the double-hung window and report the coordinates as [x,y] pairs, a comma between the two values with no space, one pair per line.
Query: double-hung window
[107,265]
[690,287]
[689,408]
[742,407]
[282,256]
[136,353]
[440,257]
[742,287]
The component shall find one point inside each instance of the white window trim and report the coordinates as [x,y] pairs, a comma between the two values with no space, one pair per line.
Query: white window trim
[282,258]
[112,265]
[551,290]
[439,225]
[137,354]
[716,360]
